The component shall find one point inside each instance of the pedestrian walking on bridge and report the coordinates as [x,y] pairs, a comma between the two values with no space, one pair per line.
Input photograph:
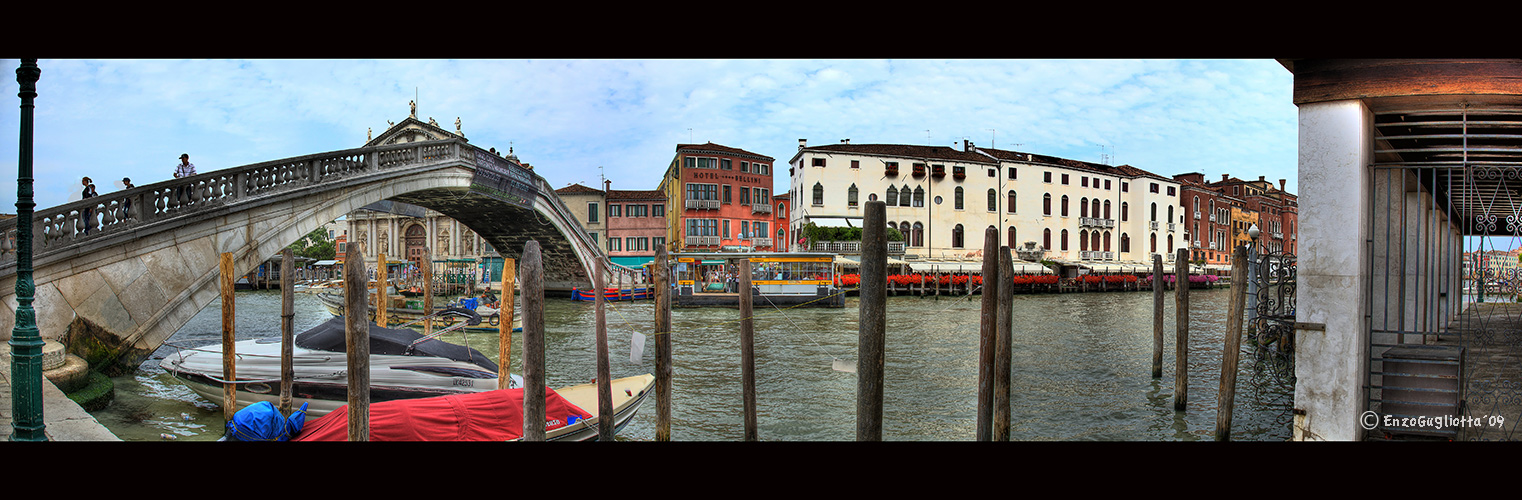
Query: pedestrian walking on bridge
[184,169]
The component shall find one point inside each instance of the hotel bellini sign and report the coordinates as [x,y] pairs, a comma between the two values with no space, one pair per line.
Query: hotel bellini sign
[504,180]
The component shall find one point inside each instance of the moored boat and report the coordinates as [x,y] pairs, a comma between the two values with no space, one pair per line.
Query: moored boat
[612,294]
[403,365]
[402,315]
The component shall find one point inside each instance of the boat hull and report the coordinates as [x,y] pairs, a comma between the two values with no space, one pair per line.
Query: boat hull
[612,294]
[399,317]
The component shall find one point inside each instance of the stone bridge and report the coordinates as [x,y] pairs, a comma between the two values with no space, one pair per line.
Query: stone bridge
[116,275]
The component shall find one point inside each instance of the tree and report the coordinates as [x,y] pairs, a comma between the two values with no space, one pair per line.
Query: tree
[315,245]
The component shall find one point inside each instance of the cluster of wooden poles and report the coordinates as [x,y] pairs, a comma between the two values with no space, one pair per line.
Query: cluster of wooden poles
[1226,397]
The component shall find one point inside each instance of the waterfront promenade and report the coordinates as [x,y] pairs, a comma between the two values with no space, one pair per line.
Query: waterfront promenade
[64,419]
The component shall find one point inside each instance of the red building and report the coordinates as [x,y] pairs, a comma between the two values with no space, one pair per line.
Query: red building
[1209,216]
[718,197]
[636,225]
[781,204]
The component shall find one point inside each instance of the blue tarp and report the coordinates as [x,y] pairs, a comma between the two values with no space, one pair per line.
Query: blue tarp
[262,422]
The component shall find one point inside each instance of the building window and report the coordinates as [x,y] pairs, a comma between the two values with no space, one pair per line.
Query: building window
[1084,181]
[1046,239]
[709,192]
[1153,188]
[1095,210]
[1083,240]
[1010,202]
[918,234]
[702,162]
[919,197]
[1125,243]
[855,164]
[726,164]
[1107,184]
[1046,177]
[761,169]
[1064,179]
[1125,187]
[615,210]
[726,232]
[1064,240]
[956,236]
[903,196]
[1107,209]
[744,195]
[892,198]
[851,196]
[1011,234]
[615,245]
[1154,212]
[818,194]
[658,241]
[1046,204]
[726,194]
[745,167]
[818,162]
[993,200]
[1125,211]
[958,198]
[1170,190]
[992,172]
[658,210]
[592,212]
[1012,172]
[1083,207]
[1064,207]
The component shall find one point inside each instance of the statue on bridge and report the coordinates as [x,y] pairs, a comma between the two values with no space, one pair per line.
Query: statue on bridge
[457,127]
[413,105]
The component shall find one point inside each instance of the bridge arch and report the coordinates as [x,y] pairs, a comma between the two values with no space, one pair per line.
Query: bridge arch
[150,259]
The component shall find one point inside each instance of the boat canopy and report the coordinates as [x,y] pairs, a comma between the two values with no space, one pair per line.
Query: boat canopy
[329,336]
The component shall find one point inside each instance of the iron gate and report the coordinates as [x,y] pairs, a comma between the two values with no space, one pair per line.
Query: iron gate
[1443,316]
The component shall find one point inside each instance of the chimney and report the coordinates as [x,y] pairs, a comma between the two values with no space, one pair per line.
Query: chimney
[607,185]
[845,141]
[1260,179]
[1281,184]
[801,143]
[1224,177]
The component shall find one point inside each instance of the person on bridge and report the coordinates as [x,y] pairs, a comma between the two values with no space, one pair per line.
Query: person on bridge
[88,192]
[184,169]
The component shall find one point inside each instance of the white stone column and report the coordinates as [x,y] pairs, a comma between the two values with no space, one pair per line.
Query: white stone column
[1335,151]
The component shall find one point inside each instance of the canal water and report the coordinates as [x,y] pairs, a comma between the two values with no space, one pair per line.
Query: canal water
[1081,370]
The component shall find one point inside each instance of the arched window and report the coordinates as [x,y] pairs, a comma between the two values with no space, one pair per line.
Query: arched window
[903,196]
[1064,205]
[851,196]
[956,236]
[958,198]
[919,197]
[892,198]
[919,235]
[1083,207]
[1064,241]
[1083,240]
[1011,202]
[1170,244]
[1196,203]
[892,224]
[1107,209]
[993,200]
[1154,212]
[818,193]
[1125,243]
[1170,214]
[1046,204]
[1012,239]
[1107,241]
[1095,211]
[1094,240]
[1046,239]
[1125,211]
[1153,242]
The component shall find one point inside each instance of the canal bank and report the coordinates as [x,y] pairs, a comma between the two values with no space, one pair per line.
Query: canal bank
[63,419]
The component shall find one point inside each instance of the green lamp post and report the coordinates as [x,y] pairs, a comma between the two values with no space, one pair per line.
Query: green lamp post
[26,343]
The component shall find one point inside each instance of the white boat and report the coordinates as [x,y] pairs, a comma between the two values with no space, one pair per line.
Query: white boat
[403,365]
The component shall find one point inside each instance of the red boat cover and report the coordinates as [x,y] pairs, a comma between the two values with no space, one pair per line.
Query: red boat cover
[479,416]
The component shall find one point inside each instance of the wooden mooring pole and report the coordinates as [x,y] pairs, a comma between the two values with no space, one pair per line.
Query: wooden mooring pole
[533,342]
[604,383]
[1181,341]
[1157,316]
[505,322]
[381,300]
[1227,397]
[428,297]
[747,352]
[229,357]
[287,320]
[987,326]
[872,321]
[1003,345]
[662,290]
[357,339]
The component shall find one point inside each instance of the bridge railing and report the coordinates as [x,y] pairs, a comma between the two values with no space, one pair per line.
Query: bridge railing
[579,233]
[63,226]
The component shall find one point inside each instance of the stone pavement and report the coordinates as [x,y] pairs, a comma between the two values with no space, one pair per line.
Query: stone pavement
[64,420]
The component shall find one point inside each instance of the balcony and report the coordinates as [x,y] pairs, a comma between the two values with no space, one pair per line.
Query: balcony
[1170,226]
[761,208]
[852,247]
[891,170]
[702,204]
[1154,225]
[1196,215]
[763,243]
[919,170]
[1096,222]
[1212,218]
[959,173]
[703,241]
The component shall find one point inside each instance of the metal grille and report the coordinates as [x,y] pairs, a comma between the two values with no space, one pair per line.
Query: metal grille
[1444,347]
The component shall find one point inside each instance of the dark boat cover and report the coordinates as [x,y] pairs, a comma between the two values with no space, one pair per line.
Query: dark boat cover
[330,336]
[478,416]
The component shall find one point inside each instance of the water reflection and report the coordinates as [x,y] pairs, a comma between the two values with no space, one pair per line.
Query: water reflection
[1081,370]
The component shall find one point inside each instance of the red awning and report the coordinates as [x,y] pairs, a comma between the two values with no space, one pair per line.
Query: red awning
[481,416]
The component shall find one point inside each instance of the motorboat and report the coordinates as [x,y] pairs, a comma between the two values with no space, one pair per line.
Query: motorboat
[404,364]
[408,313]
[571,414]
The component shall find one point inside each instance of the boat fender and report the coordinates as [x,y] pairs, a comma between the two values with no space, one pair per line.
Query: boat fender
[495,319]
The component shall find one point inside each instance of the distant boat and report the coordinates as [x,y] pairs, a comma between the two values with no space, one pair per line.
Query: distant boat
[612,294]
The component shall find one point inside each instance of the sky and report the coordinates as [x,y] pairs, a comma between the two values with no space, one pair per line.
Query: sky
[580,120]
